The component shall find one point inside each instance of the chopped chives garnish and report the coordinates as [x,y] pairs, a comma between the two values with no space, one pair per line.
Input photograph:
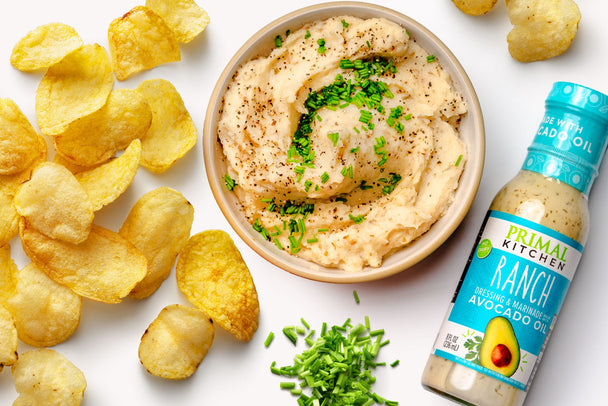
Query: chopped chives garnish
[334,137]
[291,334]
[287,385]
[324,177]
[356,219]
[344,23]
[395,363]
[278,42]
[431,58]
[230,183]
[269,339]
[356,295]
[336,368]
[307,35]
[321,43]
[458,160]
[347,171]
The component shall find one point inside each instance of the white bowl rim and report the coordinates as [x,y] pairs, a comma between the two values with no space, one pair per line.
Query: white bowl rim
[433,238]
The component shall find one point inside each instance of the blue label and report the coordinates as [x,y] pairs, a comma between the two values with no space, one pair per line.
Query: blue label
[571,140]
[508,298]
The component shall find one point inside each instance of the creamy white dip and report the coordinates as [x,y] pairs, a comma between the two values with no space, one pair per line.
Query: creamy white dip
[375,177]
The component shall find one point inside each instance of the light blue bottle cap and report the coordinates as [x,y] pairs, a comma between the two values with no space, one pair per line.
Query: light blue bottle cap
[571,140]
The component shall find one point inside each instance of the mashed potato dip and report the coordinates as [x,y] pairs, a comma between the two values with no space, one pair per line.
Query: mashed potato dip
[342,144]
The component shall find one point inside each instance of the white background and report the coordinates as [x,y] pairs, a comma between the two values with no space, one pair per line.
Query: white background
[410,305]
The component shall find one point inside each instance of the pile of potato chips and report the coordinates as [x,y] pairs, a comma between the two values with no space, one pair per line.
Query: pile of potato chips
[541,30]
[101,136]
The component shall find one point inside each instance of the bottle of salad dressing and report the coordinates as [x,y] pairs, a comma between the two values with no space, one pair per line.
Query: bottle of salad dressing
[524,259]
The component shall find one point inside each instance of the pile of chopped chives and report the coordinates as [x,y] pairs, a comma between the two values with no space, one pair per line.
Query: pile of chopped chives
[336,368]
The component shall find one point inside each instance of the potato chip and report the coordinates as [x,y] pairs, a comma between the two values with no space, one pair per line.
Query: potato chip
[45,46]
[213,276]
[176,342]
[45,312]
[542,29]
[95,138]
[46,377]
[7,271]
[185,18]
[19,144]
[54,203]
[475,7]
[172,132]
[159,226]
[74,87]
[140,40]
[72,167]
[105,267]
[9,218]
[106,182]
[9,184]
[8,339]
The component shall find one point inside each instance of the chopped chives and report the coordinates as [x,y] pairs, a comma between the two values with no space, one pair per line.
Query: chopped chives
[336,368]
[356,219]
[287,385]
[458,160]
[290,333]
[356,295]
[269,339]
[334,137]
[278,42]
[324,177]
[230,183]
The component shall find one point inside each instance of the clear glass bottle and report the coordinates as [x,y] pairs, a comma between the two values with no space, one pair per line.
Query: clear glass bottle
[525,256]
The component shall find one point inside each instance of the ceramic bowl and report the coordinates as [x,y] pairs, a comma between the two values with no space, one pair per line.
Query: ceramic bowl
[472,133]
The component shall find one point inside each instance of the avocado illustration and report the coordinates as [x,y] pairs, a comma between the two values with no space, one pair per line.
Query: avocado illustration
[499,350]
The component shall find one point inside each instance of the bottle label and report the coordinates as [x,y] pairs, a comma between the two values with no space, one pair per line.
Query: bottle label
[508,298]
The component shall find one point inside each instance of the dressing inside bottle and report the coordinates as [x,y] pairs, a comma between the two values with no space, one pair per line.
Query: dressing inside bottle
[525,256]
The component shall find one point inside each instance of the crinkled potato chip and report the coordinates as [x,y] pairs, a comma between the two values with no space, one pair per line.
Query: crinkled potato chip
[46,377]
[74,87]
[72,167]
[140,40]
[475,7]
[19,143]
[105,267]
[45,46]
[55,204]
[8,339]
[172,132]
[542,29]
[9,218]
[185,18]
[213,276]
[45,312]
[159,226]
[176,342]
[9,184]
[107,182]
[95,138]
[7,270]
